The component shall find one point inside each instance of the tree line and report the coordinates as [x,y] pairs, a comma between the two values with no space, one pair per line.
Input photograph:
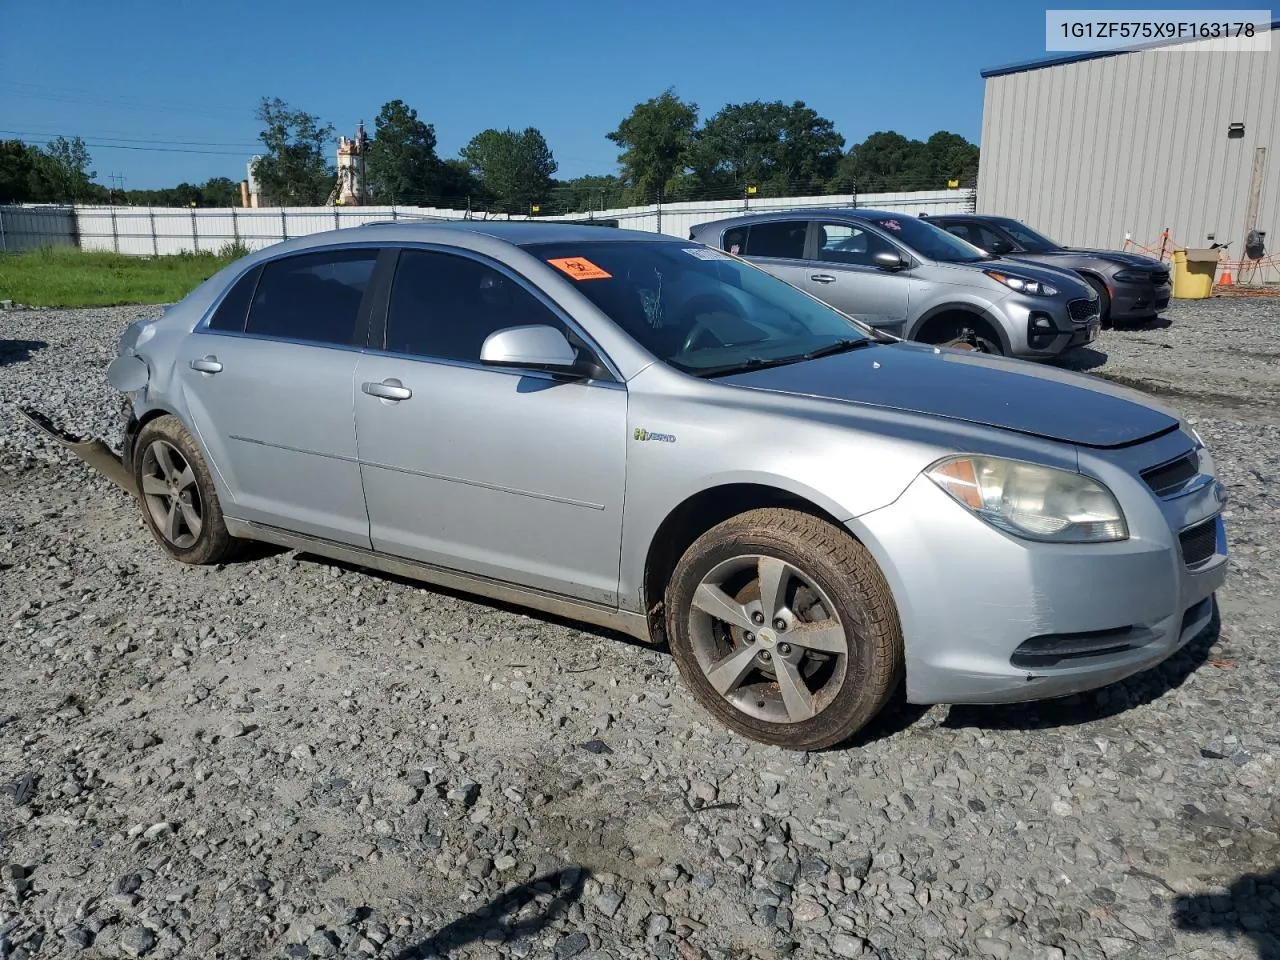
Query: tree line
[667,152]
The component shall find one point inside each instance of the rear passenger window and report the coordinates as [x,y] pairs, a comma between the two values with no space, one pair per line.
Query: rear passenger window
[776,240]
[314,297]
[231,313]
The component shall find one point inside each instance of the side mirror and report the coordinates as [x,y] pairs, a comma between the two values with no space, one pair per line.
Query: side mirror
[537,346]
[1000,247]
[889,260]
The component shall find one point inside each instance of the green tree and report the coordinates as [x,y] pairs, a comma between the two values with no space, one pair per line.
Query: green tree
[402,165]
[949,156]
[220,192]
[656,139]
[295,170]
[887,160]
[514,167]
[62,173]
[19,180]
[777,147]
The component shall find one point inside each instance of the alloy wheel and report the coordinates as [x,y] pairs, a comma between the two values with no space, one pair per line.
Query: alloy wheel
[768,639]
[172,495]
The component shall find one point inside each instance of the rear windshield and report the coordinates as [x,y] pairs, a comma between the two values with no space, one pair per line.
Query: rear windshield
[698,309]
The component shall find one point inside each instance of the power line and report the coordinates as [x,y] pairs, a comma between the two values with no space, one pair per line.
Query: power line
[113,146]
[146,140]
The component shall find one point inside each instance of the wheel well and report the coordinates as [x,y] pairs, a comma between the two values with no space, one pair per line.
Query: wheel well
[939,323]
[695,517]
[135,427]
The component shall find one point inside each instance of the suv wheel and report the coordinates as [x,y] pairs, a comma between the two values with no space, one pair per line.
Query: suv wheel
[178,499]
[784,629]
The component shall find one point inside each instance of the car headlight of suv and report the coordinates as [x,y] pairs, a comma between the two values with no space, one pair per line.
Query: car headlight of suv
[1032,501]
[1022,284]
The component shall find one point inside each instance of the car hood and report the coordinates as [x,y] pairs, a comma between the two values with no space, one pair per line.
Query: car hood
[1114,256]
[999,392]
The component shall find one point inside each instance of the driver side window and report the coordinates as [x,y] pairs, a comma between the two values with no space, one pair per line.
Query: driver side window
[845,243]
[444,306]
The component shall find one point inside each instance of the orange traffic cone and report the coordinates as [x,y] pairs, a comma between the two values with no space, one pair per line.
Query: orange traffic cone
[1226,279]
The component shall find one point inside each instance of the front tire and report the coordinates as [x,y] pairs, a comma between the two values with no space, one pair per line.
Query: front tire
[784,629]
[177,495]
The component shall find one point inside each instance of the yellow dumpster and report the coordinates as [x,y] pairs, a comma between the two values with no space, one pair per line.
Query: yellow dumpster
[1193,271]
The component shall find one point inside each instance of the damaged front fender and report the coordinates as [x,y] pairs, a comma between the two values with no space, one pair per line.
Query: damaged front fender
[92,451]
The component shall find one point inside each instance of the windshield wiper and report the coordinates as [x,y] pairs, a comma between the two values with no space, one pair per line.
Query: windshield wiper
[840,346]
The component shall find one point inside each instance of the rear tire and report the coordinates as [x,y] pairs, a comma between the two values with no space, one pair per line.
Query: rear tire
[176,492]
[784,629]
[1104,300]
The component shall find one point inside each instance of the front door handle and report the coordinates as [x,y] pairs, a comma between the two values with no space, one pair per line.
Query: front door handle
[822,278]
[208,364]
[389,389]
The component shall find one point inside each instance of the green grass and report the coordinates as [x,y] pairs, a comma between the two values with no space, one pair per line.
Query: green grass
[68,277]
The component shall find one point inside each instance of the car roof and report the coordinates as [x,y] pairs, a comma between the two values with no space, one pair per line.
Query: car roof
[519,232]
[802,213]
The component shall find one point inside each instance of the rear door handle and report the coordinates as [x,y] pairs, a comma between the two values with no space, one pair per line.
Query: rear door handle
[209,364]
[822,278]
[389,389]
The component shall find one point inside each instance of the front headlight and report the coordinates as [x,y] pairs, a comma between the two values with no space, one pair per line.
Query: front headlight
[1032,501]
[1131,276]
[1022,284]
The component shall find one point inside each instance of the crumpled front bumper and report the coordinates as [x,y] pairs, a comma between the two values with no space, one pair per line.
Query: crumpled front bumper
[91,450]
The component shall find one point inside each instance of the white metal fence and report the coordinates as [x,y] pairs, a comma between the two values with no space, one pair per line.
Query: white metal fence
[154,231]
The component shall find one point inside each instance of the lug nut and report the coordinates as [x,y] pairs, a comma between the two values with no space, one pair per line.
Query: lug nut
[779,624]
[749,637]
[784,648]
[757,617]
[765,655]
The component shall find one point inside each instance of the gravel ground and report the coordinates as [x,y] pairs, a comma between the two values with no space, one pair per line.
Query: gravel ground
[284,757]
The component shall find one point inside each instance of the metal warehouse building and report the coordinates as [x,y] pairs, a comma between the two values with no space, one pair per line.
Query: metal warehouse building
[1092,147]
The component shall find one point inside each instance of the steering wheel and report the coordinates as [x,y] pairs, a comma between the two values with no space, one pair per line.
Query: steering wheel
[706,304]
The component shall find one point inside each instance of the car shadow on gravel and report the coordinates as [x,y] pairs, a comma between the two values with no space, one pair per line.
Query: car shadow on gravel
[604,633]
[1250,908]
[17,351]
[1081,359]
[1109,701]
[521,912]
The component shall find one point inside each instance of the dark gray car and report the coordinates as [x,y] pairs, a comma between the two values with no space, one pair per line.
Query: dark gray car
[1130,286]
[912,279]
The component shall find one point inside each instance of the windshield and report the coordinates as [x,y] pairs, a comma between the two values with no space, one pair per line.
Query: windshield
[701,310]
[1034,242]
[926,239]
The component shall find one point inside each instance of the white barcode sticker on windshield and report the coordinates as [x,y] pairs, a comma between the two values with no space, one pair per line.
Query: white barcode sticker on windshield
[706,253]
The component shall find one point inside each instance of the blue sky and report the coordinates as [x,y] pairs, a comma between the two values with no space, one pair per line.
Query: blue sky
[173,77]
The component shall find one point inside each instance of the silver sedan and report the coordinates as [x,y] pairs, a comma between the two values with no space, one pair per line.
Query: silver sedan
[656,436]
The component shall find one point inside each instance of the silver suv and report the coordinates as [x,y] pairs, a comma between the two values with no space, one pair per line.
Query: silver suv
[915,280]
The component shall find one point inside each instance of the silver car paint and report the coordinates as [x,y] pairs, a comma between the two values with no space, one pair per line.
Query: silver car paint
[551,485]
[924,290]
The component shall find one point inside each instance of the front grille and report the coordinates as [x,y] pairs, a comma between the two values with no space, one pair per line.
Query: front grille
[1159,277]
[1052,648]
[1082,311]
[1198,542]
[1169,476]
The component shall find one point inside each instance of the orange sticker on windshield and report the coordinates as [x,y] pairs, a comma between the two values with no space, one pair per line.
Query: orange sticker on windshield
[580,268]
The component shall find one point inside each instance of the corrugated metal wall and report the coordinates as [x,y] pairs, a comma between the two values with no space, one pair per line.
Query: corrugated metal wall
[151,231]
[1094,150]
[28,228]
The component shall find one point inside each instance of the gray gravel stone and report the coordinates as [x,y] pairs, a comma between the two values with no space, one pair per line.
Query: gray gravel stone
[300,731]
